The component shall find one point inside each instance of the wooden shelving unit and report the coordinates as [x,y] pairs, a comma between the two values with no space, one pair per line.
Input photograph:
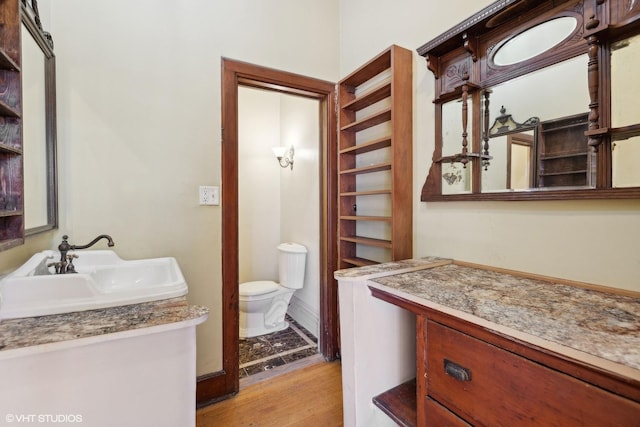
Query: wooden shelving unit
[376,137]
[564,156]
[400,404]
[11,166]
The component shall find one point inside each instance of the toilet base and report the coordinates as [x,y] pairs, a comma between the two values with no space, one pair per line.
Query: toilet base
[256,332]
[264,316]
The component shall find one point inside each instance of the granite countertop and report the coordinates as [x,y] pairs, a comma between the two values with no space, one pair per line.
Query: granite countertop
[600,324]
[36,331]
[394,267]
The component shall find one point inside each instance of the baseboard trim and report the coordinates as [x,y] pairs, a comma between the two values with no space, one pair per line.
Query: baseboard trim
[304,314]
[212,388]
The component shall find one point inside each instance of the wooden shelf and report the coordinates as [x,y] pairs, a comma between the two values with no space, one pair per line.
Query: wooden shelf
[400,404]
[370,97]
[365,193]
[10,149]
[367,169]
[563,156]
[359,262]
[625,132]
[5,214]
[10,243]
[582,171]
[8,111]
[368,122]
[366,218]
[6,63]
[367,147]
[371,69]
[367,241]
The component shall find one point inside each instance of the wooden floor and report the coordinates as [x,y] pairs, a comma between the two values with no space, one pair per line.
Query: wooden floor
[308,397]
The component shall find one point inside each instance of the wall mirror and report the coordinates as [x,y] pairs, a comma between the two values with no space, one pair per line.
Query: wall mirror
[39,123]
[537,100]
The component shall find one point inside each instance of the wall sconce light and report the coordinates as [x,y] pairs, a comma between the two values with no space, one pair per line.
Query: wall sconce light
[284,156]
[505,124]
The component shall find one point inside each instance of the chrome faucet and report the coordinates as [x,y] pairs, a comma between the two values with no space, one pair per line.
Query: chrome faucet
[65,265]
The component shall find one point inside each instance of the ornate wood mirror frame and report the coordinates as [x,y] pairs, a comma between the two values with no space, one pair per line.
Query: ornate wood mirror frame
[39,123]
[575,120]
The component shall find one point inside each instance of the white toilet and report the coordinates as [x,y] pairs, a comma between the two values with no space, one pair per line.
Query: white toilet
[264,303]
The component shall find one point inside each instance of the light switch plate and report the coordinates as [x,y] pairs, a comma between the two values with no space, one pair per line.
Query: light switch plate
[209,195]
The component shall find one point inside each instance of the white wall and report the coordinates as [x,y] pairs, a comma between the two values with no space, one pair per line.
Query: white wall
[300,212]
[259,195]
[139,122]
[551,238]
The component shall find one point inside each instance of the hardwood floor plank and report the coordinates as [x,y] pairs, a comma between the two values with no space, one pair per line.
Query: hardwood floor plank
[311,396]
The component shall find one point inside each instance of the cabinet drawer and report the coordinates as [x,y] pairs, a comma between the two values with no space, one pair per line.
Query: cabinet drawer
[437,415]
[489,386]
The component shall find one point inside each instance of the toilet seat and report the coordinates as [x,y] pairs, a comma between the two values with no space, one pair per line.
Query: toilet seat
[257,288]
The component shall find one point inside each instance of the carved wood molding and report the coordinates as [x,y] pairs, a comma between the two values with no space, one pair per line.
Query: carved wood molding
[474,20]
[593,73]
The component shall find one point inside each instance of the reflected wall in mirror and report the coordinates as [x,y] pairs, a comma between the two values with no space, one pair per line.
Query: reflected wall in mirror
[625,85]
[39,127]
[534,41]
[544,103]
[546,65]
[625,94]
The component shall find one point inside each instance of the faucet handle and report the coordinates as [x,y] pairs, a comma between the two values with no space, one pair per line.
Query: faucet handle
[59,266]
[70,268]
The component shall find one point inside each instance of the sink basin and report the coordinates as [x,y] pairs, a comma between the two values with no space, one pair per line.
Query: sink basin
[102,280]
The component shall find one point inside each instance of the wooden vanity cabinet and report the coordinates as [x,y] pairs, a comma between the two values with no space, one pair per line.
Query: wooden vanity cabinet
[468,375]
[489,386]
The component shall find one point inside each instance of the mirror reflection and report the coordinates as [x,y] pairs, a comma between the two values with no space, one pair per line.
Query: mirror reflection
[552,154]
[34,132]
[38,115]
[456,178]
[625,87]
[535,41]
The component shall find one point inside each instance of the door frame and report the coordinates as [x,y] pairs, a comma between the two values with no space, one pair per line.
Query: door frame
[222,384]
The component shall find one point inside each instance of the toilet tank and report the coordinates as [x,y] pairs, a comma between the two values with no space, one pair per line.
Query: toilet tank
[292,258]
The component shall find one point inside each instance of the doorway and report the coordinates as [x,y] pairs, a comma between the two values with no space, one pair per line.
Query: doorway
[279,202]
[234,75]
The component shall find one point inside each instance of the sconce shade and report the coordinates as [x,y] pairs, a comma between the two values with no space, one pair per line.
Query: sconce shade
[279,151]
[284,156]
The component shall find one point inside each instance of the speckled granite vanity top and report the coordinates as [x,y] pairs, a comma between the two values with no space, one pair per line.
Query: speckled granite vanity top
[604,325]
[395,267]
[34,331]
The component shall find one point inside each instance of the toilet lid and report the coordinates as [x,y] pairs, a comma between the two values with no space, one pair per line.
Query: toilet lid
[260,287]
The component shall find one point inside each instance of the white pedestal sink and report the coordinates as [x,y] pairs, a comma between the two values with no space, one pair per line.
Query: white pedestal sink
[102,280]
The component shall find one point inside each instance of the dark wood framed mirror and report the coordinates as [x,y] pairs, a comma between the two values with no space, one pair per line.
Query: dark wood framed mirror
[537,100]
[38,122]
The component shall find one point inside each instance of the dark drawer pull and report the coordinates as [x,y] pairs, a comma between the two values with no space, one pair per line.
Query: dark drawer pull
[458,372]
